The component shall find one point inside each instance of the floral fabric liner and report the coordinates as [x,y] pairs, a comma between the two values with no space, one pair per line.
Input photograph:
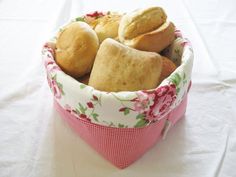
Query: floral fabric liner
[122,109]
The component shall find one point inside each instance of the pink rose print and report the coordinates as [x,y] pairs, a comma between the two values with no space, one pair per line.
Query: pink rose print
[51,68]
[178,33]
[71,111]
[68,108]
[86,112]
[84,117]
[88,18]
[155,104]
[164,98]
[76,113]
[56,87]
[56,90]
[49,62]
[142,102]
[90,104]
[95,14]
[50,47]
[185,43]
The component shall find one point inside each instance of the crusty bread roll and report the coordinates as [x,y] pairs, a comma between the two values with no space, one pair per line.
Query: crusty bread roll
[120,68]
[76,48]
[107,26]
[146,29]
[167,68]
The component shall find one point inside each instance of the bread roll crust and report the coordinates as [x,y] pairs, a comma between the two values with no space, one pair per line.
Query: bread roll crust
[167,69]
[107,26]
[120,68]
[147,29]
[76,47]
[154,41]
[141,21]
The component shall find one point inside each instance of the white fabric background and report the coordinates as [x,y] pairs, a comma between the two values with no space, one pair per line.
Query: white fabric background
[36,142]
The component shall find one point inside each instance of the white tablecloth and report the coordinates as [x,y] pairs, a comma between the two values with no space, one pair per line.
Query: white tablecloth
[36,142]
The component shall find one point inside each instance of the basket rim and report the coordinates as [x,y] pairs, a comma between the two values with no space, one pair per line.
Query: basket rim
[166,81]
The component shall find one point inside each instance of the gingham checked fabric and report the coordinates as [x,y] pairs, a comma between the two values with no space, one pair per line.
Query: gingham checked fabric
[122,146]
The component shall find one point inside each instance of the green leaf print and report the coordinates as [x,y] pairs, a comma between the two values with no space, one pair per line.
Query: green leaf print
[82,109]
[177,89]
[175,78]
[54,77]
[126,111]
[100,100]
[61,87]
[184,79]
[79,19]
[140,116]
[121,125]
[77,111]
[82,86]
[141,123]
[95,115]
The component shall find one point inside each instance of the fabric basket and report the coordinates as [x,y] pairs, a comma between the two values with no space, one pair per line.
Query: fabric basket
[122,126]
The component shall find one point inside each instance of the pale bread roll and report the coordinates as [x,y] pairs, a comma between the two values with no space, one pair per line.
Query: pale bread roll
[120,68]
[107,26]
[146,29]
[76,48]
[141,21]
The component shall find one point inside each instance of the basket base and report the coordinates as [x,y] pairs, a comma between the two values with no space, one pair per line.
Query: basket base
[121,146]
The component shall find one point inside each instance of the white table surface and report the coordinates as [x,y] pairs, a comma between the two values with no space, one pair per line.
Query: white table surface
[36,142]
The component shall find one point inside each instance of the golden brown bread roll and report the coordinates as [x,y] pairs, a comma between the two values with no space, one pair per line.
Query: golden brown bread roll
[120,68]
[76,48]
[167,68]
[146,29]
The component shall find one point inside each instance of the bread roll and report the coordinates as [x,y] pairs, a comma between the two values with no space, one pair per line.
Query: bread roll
[76,48]
[167,68]
[141,21]
[120,68]
[146,29]
[107,26]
